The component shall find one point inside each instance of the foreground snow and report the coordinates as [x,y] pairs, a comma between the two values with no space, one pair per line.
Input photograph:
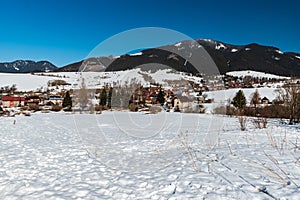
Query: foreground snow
[48,156]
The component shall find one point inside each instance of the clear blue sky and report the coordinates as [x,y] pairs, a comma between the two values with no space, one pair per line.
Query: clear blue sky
[65,31]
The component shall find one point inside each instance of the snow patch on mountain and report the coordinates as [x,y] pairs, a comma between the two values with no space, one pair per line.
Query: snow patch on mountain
[178,44]
[276,58]
[208,40]
[234,50]
[220,46]
[136,54]
[278,51]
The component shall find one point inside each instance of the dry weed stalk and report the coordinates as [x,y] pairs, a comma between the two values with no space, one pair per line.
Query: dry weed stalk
[229,147]
[260,122]
[272,171]
[276,163]
[271,139]
[191,153]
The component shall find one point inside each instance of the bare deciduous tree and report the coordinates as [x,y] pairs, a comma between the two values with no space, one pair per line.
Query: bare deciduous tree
[289,95]
[255,98]
[83,94]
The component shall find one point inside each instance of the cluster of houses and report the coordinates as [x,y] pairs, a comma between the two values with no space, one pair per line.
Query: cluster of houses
[142,97]
[29,101]
[145,97]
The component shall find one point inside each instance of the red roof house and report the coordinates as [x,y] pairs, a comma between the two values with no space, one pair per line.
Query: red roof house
[12,101]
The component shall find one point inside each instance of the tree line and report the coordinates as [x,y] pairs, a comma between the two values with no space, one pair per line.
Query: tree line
[286,105]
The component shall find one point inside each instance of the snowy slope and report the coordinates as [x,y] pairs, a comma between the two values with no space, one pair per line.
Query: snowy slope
[46,156]
[224,95]
[24,82]
[255,74]
[27,82]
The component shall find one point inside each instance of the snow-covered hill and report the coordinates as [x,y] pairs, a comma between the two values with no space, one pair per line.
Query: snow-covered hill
[93,80]
[255,74]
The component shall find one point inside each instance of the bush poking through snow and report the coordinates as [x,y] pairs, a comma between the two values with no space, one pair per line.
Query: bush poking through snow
[133,107]
[34,107]
[56,108]
[260,123]
[264,122]
[186,144]
[242,122]
[155,109]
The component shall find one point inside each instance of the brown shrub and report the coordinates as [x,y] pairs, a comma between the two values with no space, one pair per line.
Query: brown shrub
[133,107]
[98,108]
[56,108]
[155,109]
[219,110]
[273,111]
[34,107]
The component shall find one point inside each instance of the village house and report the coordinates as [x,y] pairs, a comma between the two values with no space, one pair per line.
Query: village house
[33,100]
[13,101]
[183,102]
[55,99]
[148,100]
[265,101]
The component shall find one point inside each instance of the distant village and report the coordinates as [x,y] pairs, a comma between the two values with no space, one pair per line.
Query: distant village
[188,99]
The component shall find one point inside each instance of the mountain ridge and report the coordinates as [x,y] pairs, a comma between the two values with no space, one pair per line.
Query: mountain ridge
[26,66]
[227,57]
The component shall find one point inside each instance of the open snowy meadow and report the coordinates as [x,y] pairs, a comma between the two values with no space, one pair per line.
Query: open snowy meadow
[123,155]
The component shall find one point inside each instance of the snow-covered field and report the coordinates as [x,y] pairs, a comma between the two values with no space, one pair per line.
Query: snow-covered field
[224,95]
[184,156]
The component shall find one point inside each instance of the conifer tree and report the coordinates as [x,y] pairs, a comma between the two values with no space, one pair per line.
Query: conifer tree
[103,97]
[109,97]
[239,101]
[67,101]
[161,97]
